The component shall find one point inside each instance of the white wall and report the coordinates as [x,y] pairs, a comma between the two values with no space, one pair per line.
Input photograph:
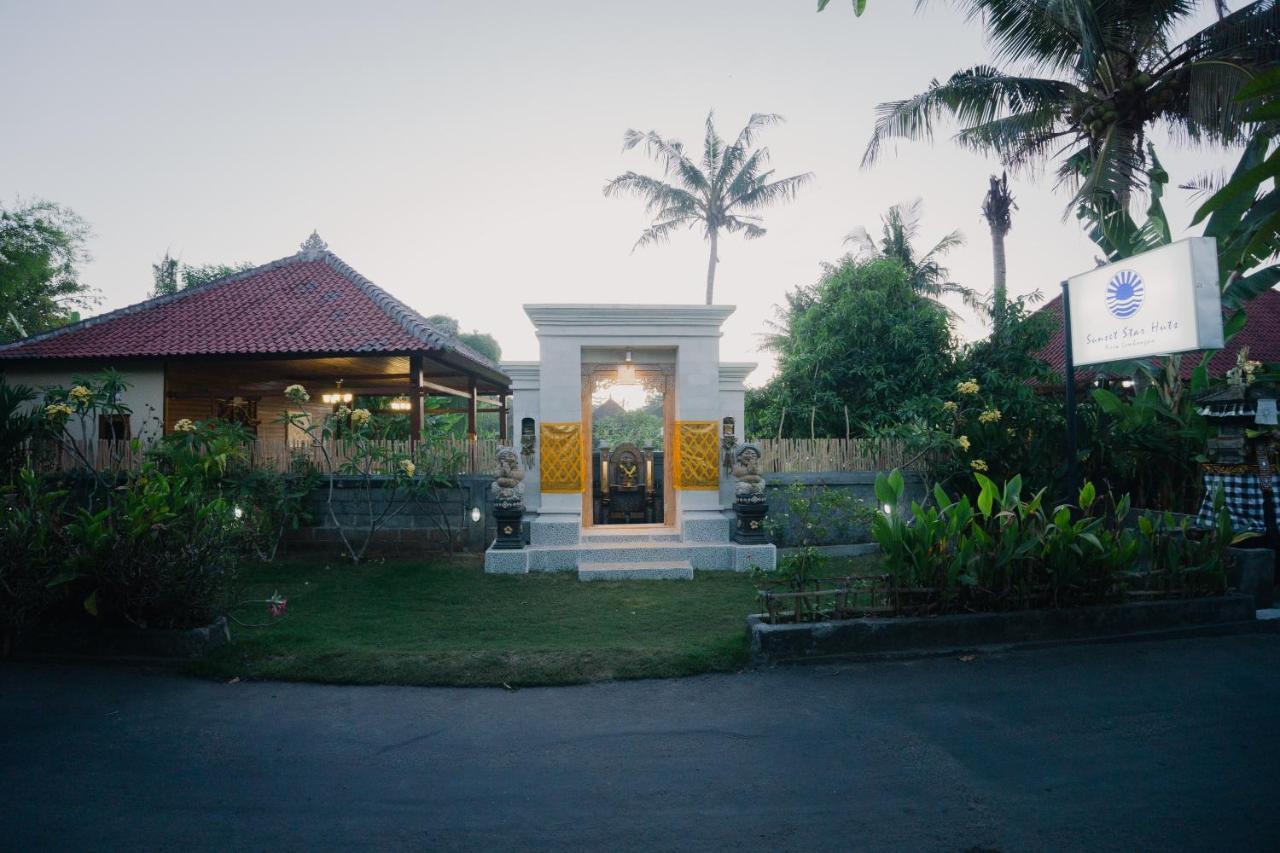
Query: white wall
[144,396]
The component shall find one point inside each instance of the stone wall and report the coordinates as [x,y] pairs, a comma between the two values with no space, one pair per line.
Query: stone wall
[419,527]
[841,531]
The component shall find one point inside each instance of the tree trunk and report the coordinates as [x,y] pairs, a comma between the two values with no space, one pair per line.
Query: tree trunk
[711,266]
[997,209]
[1000,288]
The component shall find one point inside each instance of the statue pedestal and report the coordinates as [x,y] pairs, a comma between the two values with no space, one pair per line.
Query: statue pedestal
[749,516]
[507,517]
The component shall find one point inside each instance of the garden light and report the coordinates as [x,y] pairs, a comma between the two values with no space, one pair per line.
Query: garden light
[888,510]
[475,515]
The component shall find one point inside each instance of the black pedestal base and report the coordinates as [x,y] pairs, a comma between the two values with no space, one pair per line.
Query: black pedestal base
[508,519]
[748,527]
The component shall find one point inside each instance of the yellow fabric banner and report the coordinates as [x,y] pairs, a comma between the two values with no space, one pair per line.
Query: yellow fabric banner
[561,462]
[696,460]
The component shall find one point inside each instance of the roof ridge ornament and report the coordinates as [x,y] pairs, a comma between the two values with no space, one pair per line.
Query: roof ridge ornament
[313,247]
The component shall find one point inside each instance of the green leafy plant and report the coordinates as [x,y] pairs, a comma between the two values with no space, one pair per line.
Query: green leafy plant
[1001,550]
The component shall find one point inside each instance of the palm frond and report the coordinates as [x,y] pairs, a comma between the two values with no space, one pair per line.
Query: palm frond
[764,193]
[974,97]
[657,194]
[660,232]
[670,153]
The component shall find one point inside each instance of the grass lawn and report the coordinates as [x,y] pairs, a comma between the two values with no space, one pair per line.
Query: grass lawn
[445,622]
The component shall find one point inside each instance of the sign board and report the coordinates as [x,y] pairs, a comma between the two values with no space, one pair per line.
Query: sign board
[1160,302]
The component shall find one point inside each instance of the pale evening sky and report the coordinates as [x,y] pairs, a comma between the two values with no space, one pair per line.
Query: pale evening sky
[454,153]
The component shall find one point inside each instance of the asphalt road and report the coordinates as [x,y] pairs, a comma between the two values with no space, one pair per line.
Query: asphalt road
[1153,746]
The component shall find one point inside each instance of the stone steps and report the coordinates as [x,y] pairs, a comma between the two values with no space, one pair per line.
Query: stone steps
[651,570]
[630,537]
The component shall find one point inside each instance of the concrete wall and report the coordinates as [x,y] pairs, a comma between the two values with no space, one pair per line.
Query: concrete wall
[144,397]
[859,486]
[413,532]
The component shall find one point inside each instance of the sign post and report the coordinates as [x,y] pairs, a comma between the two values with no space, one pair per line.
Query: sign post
[1160,302]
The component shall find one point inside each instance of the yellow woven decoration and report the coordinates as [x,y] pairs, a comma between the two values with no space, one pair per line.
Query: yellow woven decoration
[561,464]
[696,459]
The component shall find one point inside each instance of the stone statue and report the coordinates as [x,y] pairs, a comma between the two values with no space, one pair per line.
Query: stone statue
[750,502]
[508,500]
[508,491]
[746,469]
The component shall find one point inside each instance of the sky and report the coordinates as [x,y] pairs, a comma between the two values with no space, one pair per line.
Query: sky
[455,152]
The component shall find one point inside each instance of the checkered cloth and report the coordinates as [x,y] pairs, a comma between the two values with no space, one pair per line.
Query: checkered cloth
[1246,502]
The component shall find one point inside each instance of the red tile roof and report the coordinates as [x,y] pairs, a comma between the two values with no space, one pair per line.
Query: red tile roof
[308,303]
[1261,333]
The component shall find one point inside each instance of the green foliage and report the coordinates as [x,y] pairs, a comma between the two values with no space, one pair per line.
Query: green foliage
[1001,550]
[1001,425]
[899,228]
[482,342]
[169,275]
[859,6]
[612,425]
[42,246]
[388,479]
[158,545]
[860,337]
[20,423]
[1111,72]
[1244,215]
[32,551]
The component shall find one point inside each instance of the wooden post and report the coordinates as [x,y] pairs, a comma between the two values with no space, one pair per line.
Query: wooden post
[415,399]
[472,409]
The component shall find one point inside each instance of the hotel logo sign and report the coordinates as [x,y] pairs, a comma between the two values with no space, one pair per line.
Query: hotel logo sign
[1157,303]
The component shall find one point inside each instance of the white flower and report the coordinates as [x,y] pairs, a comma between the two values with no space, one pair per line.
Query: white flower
[184,425]
[296,394]
[360,417]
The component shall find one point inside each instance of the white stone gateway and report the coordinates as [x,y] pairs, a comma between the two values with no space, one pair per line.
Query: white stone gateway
[654,507]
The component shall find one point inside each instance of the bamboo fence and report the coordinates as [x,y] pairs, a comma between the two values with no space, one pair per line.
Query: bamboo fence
[816,455]
[780,455]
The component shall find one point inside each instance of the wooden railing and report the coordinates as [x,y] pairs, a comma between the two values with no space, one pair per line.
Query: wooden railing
[785,455]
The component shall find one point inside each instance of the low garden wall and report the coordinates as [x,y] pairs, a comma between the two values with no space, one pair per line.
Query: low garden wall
[967,631]
[425,523]
[421,524]
[788,519]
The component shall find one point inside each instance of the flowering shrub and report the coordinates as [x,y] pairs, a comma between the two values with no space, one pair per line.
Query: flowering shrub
[371,461]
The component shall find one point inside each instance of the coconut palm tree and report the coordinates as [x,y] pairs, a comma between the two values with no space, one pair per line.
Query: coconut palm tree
[997,209]
[723,192]
[899,228]
[1099,74]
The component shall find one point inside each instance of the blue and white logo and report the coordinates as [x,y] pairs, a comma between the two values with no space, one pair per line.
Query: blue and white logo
[1124,294]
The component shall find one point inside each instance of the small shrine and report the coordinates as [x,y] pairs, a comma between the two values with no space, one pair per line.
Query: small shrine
[628,464]
[1242,456]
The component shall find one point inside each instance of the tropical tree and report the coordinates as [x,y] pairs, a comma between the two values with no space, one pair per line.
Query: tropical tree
[899,228]
[997,209]
[855,351]
[1099,75]
[723,192]
[169,275]
[42,245]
